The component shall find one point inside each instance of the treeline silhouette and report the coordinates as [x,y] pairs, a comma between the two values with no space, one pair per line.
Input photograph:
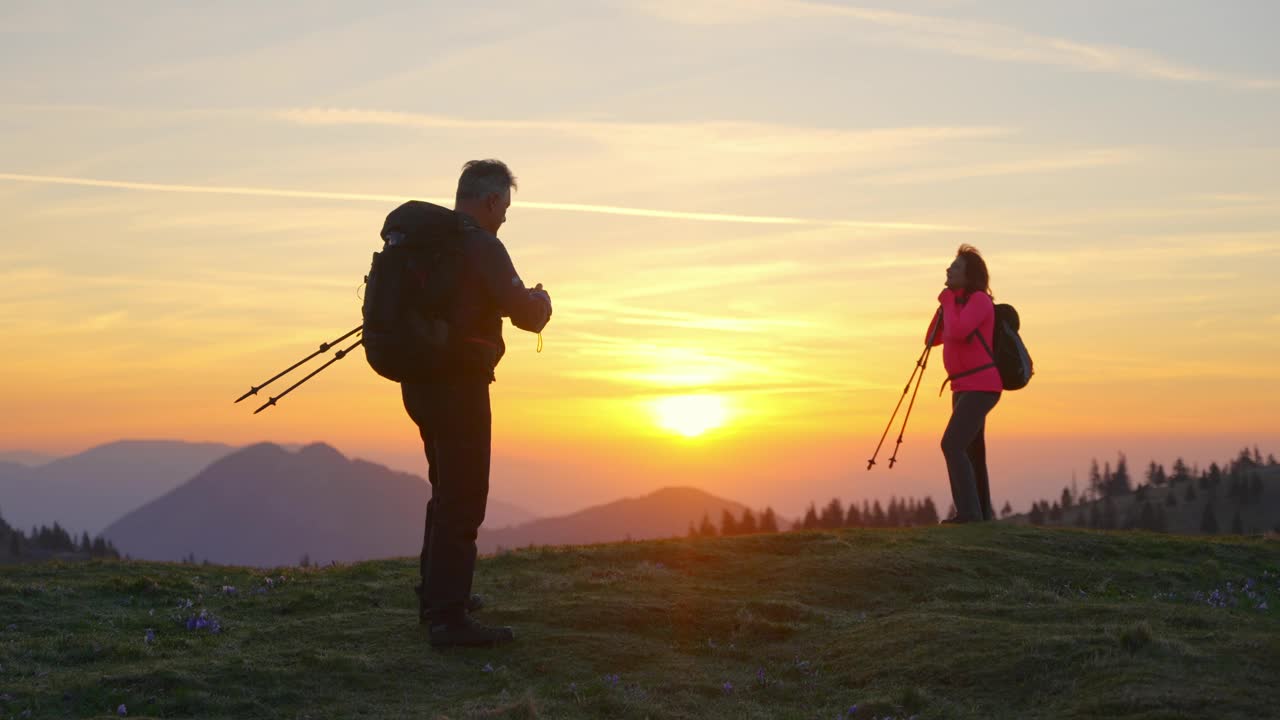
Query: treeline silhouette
[46,541]
[906,512]
[1113,500]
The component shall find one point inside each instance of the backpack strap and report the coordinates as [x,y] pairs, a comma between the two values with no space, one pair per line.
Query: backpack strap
[971,371]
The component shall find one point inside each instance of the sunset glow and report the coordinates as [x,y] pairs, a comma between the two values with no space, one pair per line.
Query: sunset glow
[743,213]
[691,415]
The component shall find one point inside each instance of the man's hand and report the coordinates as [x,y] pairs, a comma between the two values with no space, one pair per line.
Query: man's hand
[537,291]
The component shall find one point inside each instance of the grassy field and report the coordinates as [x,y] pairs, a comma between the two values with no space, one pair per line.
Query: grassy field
[949,622]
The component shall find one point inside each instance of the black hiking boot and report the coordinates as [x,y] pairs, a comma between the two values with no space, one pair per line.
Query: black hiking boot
[463,631]
[474,604]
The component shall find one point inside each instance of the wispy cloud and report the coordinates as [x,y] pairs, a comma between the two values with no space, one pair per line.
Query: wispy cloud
[730,137]
[534,205]
[968,38]
[1073,161]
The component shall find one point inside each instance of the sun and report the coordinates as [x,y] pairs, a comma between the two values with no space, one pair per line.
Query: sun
[691,415]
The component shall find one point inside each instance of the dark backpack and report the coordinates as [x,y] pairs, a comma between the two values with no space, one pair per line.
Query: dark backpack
[1010,354]
[409,292]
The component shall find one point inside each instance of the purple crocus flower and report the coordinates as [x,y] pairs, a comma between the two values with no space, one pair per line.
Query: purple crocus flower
[727,687]
[150,636]
[122,710]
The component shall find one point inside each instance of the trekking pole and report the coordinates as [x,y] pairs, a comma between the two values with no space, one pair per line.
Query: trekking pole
[921,363]
[324,347]
[336,357]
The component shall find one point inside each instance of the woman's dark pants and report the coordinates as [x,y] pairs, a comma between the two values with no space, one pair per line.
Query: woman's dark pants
[964,446]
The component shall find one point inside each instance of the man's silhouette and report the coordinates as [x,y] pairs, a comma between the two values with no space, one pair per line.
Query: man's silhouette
[452,410]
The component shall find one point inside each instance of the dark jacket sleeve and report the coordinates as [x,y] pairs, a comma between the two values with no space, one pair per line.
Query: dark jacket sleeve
[526,310]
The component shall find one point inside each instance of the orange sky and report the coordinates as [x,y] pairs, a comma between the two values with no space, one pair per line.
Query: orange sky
[194,210]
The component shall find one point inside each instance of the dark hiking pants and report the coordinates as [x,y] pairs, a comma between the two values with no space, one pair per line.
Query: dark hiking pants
[455,423]
[964,446]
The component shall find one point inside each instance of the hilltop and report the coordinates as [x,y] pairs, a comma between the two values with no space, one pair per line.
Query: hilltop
[945,622]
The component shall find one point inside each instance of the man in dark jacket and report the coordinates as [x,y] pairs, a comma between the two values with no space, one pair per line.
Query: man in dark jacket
[452,411]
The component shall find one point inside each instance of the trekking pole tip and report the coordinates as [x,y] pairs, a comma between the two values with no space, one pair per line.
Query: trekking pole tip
[870,463]
[252,391]
[266,405]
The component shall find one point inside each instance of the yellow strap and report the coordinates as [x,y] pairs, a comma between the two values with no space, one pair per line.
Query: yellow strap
[539,342]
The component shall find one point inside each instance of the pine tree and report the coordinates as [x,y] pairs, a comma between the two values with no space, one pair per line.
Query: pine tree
[747,525]
[1007,510]
[1180,472]
[705,528]
[85,544]
[811,521]
[728,526]
[1244,460]
[1237,527]
[768,521]
[1154,474]
[1190,495]
[928,512]
[1209,520]
[1121,484]
[1095,480]
[878,518]
[1255,487]
[1067,501]
[693,530]
[832,515]
[893,518]
[1171,499]
[1036,516]
[1214,476]
[853,518]
[15,543]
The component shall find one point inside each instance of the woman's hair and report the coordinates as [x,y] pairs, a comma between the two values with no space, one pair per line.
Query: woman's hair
[976,277]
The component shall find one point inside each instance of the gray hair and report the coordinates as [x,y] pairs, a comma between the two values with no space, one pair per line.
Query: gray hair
[481,178]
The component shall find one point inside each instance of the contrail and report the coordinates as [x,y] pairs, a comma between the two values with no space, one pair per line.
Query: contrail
[562,207]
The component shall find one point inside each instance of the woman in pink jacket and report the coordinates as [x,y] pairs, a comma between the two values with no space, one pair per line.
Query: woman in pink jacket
[968,324]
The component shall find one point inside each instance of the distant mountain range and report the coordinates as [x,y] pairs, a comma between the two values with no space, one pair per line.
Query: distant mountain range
[87,491]
[25,458]
[90,490]
[266,506]
[663,513]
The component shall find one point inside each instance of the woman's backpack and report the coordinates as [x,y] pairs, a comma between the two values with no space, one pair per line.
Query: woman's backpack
[1010,354]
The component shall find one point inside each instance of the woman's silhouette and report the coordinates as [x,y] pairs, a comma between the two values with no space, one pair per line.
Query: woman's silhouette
[967,314]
